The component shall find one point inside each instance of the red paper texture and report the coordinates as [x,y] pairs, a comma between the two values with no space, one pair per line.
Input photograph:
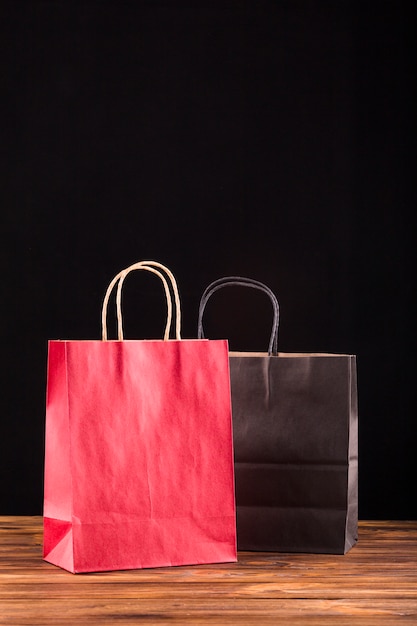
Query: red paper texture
[138,455]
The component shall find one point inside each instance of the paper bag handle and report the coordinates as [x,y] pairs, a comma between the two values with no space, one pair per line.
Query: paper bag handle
[120,277]
[118,304]
[239,281]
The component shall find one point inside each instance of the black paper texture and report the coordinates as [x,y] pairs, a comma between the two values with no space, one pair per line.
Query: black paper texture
[295,427]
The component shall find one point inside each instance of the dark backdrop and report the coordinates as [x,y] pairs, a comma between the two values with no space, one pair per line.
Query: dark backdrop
[270,139]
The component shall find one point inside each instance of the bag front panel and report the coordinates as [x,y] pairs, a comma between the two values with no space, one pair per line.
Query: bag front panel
[148,451]
[295,442]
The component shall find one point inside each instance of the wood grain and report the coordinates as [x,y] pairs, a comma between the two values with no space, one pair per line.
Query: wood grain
[374,584]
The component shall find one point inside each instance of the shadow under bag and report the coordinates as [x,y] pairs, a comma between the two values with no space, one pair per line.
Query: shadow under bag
[295,424]
[138,450]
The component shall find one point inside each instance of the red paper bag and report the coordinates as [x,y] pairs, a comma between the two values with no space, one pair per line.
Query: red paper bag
[138,451]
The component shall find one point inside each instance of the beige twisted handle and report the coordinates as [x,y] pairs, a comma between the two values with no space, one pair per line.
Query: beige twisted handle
[149,266]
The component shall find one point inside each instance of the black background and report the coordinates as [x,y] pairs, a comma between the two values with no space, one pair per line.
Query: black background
[274,140]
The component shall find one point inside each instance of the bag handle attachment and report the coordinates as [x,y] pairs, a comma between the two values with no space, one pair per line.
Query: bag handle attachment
[239,281]
[119,279]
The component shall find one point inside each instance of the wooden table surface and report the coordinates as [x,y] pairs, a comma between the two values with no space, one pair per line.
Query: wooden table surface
[374,584]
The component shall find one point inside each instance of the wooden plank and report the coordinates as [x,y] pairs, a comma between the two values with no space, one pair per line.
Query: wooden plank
[208,611]
[158,591]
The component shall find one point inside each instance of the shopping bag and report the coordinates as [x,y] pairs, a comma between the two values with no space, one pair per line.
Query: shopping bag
[138,448]
[295,426]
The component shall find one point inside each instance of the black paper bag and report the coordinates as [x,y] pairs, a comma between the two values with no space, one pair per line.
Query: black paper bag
[295,424]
